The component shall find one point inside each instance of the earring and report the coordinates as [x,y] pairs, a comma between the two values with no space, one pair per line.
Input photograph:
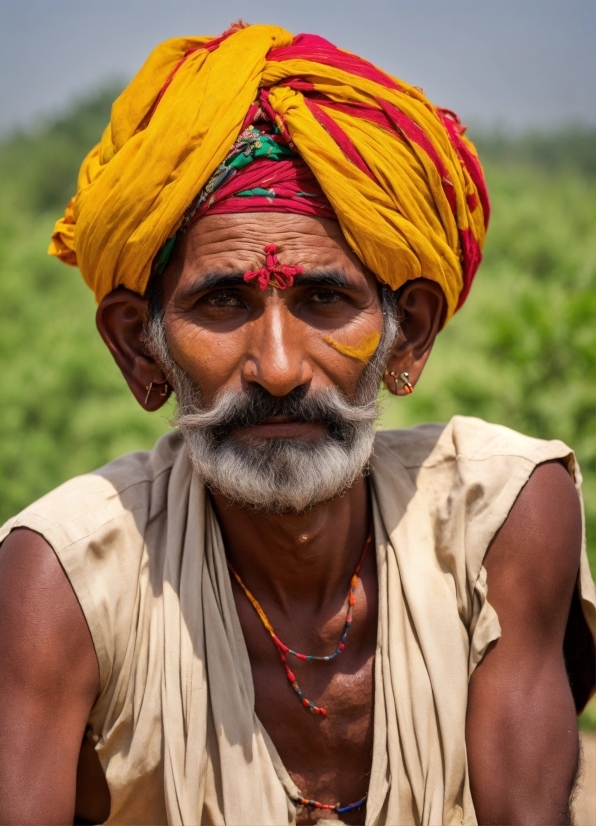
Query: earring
[163,392]
[408,387]
[404,378]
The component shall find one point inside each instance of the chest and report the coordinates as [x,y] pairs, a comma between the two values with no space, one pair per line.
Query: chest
[327,756]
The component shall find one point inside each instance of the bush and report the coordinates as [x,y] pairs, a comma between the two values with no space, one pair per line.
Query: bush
[520,353]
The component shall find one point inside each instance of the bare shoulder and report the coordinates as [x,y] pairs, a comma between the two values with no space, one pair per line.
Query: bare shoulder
[521,732]
[533,561]
[39,606]
[49,679]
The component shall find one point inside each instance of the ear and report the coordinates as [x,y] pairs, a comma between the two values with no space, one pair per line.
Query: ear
[422,309]
[120,319]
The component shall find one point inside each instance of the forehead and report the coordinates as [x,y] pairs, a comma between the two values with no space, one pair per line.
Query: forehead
[236,241]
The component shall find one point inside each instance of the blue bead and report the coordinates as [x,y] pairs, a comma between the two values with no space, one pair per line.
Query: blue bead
[341,809]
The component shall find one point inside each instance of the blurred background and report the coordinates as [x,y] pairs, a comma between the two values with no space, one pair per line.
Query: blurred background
[521,73]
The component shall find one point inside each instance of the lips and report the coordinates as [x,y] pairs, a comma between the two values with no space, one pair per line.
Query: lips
[281,427]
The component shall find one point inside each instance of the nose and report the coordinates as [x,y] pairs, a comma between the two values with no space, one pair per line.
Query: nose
[276,356]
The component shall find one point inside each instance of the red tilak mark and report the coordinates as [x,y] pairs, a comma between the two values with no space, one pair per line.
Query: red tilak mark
[274,273]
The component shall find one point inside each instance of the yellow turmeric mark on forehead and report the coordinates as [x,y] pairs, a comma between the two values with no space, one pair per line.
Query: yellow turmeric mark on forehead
[363,352]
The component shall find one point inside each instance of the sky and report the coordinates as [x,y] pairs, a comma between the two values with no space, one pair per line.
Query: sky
[512,64]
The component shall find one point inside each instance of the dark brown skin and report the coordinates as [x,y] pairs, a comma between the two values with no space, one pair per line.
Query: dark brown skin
[521,731]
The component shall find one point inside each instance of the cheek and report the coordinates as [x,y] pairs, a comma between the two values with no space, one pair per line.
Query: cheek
[343,354]
[359,339]
[212,359]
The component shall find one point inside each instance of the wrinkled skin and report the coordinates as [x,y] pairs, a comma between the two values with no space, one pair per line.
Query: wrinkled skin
[521,731]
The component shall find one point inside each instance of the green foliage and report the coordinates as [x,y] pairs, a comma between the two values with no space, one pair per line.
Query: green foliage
[587,721]
[39,168]
[572,149]
[65,408]
[520,353]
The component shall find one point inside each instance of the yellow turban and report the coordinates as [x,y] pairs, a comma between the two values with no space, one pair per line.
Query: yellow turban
[404,182]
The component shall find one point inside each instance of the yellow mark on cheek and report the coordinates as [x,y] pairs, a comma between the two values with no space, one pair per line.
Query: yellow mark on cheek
[363,352]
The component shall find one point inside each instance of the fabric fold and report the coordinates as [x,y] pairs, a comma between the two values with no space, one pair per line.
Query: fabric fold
[175,726]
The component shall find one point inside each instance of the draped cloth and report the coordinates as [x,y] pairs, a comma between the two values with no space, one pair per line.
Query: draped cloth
[174,725]
[401,177]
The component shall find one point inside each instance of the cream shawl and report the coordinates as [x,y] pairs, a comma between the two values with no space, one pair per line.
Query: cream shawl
[175,726]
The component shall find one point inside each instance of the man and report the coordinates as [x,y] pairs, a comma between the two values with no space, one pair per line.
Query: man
[275,616]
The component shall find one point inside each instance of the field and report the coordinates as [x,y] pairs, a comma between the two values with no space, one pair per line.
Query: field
[521,353]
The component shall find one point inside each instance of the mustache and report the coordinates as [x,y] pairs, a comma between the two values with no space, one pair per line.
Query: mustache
[253,406]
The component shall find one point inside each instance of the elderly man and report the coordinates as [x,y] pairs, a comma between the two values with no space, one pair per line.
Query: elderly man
[277,617]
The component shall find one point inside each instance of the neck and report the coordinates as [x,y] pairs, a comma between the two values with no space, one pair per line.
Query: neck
[297,557]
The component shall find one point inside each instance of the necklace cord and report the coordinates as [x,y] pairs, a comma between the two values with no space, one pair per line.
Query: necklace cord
[284,649]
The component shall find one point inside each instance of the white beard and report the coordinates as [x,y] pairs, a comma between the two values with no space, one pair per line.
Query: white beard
[279,475]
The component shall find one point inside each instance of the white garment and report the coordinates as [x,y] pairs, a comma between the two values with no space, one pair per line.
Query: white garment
[175,726]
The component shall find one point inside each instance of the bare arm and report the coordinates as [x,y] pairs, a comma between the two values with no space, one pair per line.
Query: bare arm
[521,728]
[49,679]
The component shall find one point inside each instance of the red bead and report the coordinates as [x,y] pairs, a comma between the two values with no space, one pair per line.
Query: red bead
[280,644]
[341,646]
[323,711]
[301,656]
[291,677]
[305,703]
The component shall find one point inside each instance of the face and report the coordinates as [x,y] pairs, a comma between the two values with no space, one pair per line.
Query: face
[273,414]
[276,401]
[227,334]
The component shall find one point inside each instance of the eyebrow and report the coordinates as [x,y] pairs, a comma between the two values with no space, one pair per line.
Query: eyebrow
[325,277]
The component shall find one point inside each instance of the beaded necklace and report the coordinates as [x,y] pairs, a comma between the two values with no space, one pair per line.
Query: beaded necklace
[337,807]
[284,649]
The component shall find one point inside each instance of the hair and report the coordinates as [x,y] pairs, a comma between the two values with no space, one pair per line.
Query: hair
[276,475]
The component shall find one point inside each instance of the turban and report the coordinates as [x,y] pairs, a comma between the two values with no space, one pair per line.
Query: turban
[401,178]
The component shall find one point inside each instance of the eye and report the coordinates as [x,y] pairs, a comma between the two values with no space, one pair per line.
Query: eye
[223,299]
[326,297]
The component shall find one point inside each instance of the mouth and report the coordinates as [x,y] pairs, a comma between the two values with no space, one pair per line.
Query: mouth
[281,427]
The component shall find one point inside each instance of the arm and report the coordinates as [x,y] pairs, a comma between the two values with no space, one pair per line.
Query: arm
[521,728]
[49,679]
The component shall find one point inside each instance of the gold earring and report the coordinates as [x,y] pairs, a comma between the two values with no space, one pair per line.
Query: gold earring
[408,387]
[149,388]
[404,378]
